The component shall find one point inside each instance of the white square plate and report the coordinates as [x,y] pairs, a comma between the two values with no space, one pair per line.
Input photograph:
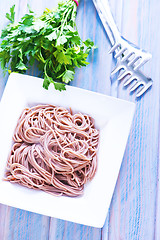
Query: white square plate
[113,117]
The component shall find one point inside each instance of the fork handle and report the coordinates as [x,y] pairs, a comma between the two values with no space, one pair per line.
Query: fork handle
[105,15]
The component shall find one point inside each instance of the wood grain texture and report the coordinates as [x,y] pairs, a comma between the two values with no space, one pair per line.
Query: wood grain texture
[134,212]
[133,209]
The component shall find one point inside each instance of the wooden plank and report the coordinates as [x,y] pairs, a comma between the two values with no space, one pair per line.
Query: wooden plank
[154,25]
[19,224]
[60,229]
[4,222]
[133,208]
[144,158]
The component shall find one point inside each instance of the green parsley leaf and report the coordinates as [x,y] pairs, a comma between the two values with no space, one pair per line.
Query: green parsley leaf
[38,25]
[61,40]
[61,57]
[11,15]
[52,36]
[68,76]
[29,8]
[21,66]
[89,43]
[46,82]
[59,86]
[27,19]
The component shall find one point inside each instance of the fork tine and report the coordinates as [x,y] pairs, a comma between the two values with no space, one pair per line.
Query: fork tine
[140,64]
[129,81]
[136,86]
[127,56]
[144,89]
[117,68]
[115,46]
[124,74]
[133,61]
[118,54]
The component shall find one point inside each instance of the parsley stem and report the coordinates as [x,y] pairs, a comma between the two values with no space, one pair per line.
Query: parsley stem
[65,20]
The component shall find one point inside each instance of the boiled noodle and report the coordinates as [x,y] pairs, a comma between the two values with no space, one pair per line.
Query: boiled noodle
[54,150]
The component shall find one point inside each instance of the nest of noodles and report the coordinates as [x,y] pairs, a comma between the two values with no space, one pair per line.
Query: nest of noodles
[54,150]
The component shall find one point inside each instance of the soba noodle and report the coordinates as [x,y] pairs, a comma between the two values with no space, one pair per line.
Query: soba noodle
[54,150]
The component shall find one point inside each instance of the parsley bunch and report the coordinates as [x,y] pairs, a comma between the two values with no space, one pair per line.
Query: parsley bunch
[52,39]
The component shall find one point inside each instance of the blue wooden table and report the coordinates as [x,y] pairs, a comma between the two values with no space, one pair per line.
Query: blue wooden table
[134,211]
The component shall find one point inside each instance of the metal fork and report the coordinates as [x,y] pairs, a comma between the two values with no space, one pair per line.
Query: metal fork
[129,57]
